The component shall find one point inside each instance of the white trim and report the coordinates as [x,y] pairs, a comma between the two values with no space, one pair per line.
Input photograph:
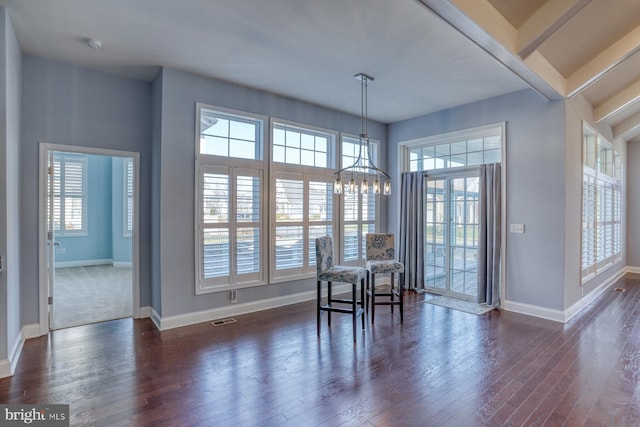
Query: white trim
[84,263]
[569,313]
[534,310]
[8,366]
[44,148]
[122,264]
[145,312]
[5,368]
[170,322]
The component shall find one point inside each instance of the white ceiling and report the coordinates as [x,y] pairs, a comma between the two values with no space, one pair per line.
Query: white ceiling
[425,55]
[308,50]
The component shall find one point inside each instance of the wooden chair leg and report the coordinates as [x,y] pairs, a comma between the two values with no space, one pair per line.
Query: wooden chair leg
[362,301]
[318,303]
[373,297]
[391,294]
[329,298]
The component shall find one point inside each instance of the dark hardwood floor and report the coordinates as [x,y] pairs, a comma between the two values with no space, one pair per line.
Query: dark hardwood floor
[440,368]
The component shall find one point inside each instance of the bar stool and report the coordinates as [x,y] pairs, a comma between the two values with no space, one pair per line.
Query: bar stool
[329,273]
[381,260]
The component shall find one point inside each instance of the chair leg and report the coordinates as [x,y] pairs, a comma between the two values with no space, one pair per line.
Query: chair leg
[391,292]
[373,297]
[366,305]
[354,307]
[362,301]
[330,297]
[400,292]
[318,303]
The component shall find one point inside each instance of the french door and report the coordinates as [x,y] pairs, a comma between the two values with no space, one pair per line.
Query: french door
[452,234]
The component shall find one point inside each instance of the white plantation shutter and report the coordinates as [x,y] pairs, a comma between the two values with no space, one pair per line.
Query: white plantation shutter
[70,199]
[128,201]
[230,224]
[601,205]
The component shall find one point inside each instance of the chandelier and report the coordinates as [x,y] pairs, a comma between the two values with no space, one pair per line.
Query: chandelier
[362,168]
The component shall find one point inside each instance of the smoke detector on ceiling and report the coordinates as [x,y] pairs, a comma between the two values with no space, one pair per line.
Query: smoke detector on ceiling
[94,44]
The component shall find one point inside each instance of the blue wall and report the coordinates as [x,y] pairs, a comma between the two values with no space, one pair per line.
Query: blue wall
[97,243]
[105,241]
[71,105]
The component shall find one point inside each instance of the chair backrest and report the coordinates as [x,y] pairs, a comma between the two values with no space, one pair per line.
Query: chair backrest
[324,254]
[380,246]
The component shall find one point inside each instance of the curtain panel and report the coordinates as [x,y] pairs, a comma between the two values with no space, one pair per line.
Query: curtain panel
[411,246]
[489,245]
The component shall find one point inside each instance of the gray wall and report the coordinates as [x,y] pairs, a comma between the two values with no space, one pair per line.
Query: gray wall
[10,75]
[535,168]
[71,105]
[175,198]
[633,204]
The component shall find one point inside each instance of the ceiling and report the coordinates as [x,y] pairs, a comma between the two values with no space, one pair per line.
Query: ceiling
[425,55]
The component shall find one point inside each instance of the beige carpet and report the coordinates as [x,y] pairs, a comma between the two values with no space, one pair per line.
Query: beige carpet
[460,305]
[93,294]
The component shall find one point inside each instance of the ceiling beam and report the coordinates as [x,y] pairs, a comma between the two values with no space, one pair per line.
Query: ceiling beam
[628,128]
[604,62]
[617,102]
[481,23]
[550,17]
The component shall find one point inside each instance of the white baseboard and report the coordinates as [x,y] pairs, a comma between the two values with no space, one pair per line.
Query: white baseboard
[145,312]
[569,313]
[122,264]
[533,310]
[170,322]
[8,366]
[84,263]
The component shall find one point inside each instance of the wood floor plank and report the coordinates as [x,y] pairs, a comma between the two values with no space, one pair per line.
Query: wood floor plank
[439,368]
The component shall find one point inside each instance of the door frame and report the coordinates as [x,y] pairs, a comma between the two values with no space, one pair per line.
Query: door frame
[44,149]
[448,175]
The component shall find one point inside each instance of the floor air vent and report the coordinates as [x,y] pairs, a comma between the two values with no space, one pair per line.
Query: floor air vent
[223,322]
[619,289]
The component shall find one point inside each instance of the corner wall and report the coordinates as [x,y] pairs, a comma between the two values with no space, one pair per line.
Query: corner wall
[535,195]
[11,339]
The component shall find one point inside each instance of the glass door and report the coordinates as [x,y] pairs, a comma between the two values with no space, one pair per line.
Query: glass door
[451,235]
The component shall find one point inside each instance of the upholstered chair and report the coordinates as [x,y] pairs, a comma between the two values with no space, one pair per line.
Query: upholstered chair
[328,272]
[381,260]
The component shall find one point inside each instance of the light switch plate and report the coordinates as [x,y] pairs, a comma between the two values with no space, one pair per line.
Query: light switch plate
[517,228]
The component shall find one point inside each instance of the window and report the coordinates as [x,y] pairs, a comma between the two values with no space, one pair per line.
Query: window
[128,195]
[299,146]
[230,185]
[303,212]
[70,195]
[229,135]
[458,149]
[601,204]
[359,211]
[302,203]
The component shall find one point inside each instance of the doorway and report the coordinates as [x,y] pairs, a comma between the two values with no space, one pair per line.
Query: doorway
[88,215]
[452,234]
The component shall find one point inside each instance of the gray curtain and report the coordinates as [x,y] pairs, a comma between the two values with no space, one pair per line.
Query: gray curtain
[411,246]
[490,235]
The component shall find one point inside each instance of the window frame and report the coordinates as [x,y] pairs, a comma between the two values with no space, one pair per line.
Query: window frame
[236,166]
[605,177]
[63,159]
[305,174]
